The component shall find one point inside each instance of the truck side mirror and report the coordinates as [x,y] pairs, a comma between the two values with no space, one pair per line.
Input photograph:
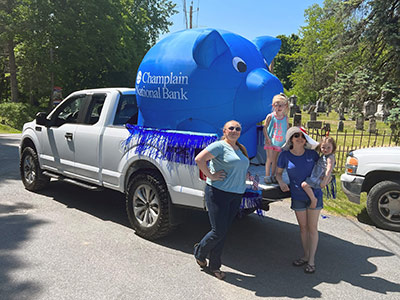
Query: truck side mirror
[41,119]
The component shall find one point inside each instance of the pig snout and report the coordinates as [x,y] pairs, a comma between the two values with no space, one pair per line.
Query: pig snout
[254,101]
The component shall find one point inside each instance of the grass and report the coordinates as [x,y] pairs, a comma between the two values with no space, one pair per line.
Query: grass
[341,205]
[8,129]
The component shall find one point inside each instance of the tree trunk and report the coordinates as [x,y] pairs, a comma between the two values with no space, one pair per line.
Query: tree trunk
[13,71]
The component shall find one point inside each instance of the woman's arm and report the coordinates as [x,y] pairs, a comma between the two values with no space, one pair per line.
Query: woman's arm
[284,187]
[330,162]
[201,159]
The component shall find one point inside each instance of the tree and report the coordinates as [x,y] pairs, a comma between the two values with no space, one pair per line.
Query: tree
[315,71]
[8,29]
[284,63]
[83,44]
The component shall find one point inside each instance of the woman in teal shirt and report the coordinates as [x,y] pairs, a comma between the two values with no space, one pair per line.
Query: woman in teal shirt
[226,184]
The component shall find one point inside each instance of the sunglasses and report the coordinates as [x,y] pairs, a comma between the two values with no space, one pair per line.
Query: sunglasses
[279,105]
[297,135]
[235,128]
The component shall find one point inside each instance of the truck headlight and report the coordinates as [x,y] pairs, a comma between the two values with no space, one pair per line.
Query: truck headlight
[351,164]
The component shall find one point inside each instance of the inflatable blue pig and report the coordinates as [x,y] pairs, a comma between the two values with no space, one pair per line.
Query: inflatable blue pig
[198,79]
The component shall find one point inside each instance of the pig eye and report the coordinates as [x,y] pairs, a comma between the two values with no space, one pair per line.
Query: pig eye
[239,64]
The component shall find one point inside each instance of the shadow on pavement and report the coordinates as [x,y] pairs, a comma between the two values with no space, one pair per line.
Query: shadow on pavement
[15,230]
[9,166]
[259,250]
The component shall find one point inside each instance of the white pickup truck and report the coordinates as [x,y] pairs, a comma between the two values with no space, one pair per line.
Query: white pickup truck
[81,142]
[375,171]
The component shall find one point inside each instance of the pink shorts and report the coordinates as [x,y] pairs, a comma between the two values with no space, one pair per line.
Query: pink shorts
[275,148]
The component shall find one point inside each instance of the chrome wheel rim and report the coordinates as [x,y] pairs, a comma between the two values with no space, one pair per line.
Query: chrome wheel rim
[29,169]
[146,205]
[389,206]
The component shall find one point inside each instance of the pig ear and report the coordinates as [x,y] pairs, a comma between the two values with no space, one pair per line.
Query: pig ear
[268,46]
[208,46]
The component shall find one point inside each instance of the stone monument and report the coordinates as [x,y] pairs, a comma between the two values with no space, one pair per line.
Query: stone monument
[372,125]
[369,109]
[360,123]
[320,106]
[297,120]
[382,112]
[341,112]
[340,126]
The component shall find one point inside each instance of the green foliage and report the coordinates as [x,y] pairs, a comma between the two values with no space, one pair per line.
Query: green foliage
[78,44]
[16,114]
[315,71]
[284,63]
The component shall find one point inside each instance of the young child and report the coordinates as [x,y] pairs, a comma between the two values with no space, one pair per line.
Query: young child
[275,127]
[322,171]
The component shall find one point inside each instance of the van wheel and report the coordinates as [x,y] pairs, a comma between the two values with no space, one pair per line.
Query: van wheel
[383,205]
[147,205]
[30,171]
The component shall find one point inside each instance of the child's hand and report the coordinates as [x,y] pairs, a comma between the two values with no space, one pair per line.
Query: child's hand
[267,142]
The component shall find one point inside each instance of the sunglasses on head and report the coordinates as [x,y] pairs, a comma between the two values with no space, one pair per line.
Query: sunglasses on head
[296,135]
[231,128]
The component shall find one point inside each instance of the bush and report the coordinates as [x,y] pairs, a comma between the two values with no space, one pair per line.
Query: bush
[16,114]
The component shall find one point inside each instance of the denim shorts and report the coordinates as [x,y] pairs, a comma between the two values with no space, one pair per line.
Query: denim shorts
[299,205]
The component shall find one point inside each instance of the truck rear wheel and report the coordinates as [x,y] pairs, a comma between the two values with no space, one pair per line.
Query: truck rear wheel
[383,205]
[147,205]
[31,174]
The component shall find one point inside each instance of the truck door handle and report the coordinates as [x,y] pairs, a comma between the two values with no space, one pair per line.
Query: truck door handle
[68,136]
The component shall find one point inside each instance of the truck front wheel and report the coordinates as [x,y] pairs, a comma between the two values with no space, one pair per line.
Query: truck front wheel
[147,205]
[31,174]
[383,205]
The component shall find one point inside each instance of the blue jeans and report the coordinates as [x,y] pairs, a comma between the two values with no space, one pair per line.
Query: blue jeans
[222,209]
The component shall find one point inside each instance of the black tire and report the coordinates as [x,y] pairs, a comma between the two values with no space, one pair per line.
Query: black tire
[147,205]
[383,205]
[31,174]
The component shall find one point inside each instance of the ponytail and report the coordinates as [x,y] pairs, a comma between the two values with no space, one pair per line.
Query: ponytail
[242,148]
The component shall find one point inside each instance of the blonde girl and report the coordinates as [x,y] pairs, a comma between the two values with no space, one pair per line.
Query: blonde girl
[275,128]
[322,171]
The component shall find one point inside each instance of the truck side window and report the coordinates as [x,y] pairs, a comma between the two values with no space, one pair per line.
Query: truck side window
[127,110]
[95,107]
[69,111]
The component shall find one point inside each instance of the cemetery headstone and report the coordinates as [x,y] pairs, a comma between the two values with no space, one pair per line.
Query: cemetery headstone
[297,120]
[313,116]
[372,125]
[369,109]
[320,106]
[340,126]
[360,123]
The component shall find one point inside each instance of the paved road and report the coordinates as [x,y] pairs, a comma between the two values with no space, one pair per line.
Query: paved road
[69,243]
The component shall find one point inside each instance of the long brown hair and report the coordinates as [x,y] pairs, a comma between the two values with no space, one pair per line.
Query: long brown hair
[242,148]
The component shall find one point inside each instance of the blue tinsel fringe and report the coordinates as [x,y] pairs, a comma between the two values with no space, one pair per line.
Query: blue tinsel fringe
[252,199]
[170,145]
[331,189]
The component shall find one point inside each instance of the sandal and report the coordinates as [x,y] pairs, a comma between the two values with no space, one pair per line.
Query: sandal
[219,274]
[309,269]
[201,263]
[299,262]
